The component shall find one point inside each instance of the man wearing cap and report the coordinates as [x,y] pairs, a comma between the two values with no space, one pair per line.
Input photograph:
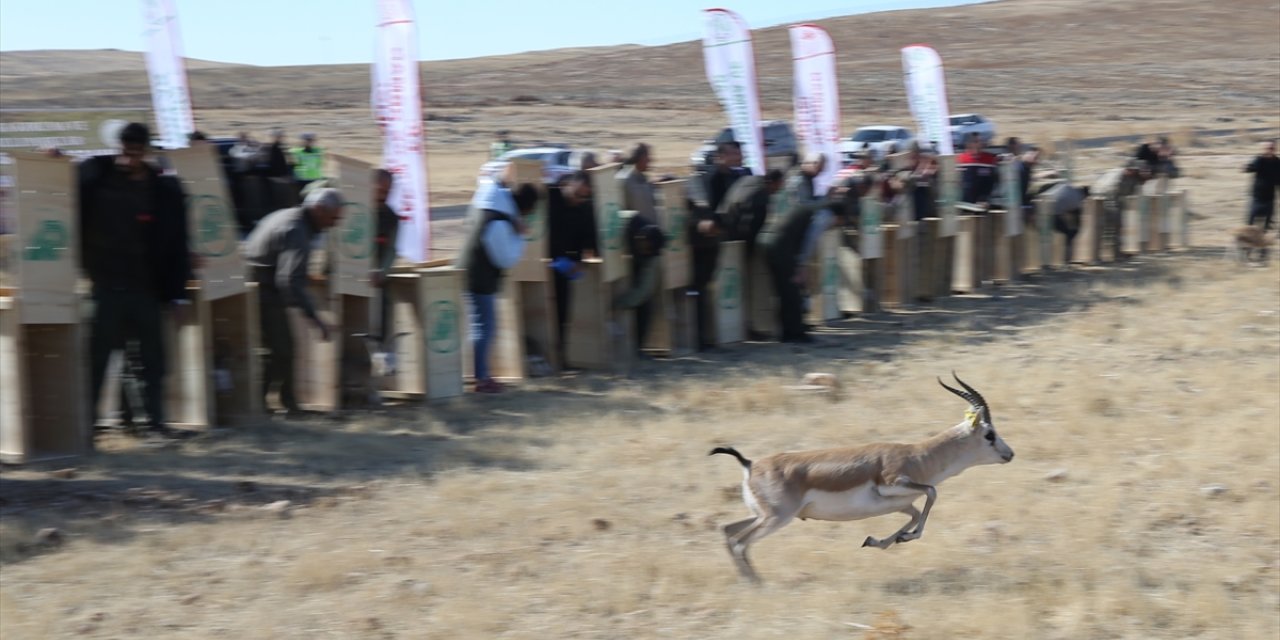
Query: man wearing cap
[571,237]
[308,161]
[743,212]
[278,252]
[134,245]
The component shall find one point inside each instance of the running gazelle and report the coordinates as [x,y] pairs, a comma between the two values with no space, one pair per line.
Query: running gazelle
[853,483]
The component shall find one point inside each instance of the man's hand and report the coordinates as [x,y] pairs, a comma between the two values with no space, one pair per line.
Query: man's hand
[323,329]
[708,228]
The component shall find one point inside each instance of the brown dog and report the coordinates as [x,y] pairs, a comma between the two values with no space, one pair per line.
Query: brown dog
[1248,241]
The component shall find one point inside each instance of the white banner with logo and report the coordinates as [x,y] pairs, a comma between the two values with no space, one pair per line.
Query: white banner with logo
[170,94]
[397,106]
[731,68]
[927,96]
[817,97]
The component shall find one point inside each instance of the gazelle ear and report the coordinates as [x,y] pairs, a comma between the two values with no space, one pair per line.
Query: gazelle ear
[971,417]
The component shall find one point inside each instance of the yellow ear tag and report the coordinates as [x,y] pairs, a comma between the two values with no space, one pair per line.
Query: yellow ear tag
[971,417]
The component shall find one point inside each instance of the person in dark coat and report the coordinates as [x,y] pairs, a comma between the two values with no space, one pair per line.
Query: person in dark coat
[387,232]
[783,241]
[135,249]
[1266,179]
[571,235]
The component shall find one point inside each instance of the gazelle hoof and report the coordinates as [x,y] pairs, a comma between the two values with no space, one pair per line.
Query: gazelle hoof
[870,542]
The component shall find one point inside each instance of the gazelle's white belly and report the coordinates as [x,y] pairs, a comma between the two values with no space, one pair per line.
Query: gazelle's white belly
[854,504]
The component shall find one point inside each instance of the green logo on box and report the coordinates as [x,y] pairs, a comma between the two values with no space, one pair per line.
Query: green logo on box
[830,276]
[45,244]
[443,316]
[214,234]
[357,235]
[613,227]
[730,288]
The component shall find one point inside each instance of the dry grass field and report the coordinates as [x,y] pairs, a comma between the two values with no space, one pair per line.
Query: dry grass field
[1143,400]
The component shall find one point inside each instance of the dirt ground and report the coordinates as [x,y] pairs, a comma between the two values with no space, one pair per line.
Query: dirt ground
[1143,400]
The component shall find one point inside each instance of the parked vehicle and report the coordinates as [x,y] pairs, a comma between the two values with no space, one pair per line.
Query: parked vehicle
[780,146]
[966,123]
[555,163]
[877,139]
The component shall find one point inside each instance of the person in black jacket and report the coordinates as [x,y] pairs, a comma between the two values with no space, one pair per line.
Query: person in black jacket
[1266,179]
[135,250]
[571,235]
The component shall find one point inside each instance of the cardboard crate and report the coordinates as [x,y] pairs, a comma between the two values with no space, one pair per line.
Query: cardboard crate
[1001,249]
[352,242]
[948,181]
[1179,224]
[895,292]
[673,217]
[1088,244]
[762,298]
[729,310]
[598,337]
[427,305]
[964,271]
[1032,251]
[1046,236]
[43,380]
[214,370]
[929,259]
[1134,229]
[824,279]
[673,331]
[43,388]
[318,363]
[532,266]
[1157,235]
[538,322]
[607,196]
[443,325]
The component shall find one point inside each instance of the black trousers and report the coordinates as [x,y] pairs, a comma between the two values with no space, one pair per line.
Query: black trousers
[644,314]
[385,325]
[1263,211]
[704,273]
[790,300]
[563,291]
[118,315]
[277,336]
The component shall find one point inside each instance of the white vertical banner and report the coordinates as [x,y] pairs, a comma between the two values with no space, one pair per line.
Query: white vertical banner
[397,106]
[731,68]
[170,94]
[927,96]
[817,97]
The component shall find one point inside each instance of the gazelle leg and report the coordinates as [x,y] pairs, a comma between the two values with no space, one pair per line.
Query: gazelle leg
[751,534]
[888,541]
[905,487]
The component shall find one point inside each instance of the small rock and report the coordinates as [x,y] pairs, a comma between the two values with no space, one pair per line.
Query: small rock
[65,474]
[601,524]
[1212,490]
[280,507]
[1057,475]
[49,537]
[245,486]
[98,617]
[191,599]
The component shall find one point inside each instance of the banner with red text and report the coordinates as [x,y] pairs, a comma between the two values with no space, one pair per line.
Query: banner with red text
[397,105]
[817,97]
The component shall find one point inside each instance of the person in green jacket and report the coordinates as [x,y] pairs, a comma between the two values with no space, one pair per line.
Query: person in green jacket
[308,161]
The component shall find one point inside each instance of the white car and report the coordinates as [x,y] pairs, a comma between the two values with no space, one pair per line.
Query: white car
[555,163]
[966,123]
[877,139]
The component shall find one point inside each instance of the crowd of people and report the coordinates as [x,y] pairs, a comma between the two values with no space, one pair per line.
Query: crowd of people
[135,245]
